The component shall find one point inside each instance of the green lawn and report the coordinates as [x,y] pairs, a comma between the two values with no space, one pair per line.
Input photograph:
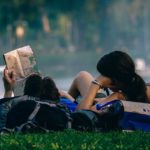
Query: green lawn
[73,140]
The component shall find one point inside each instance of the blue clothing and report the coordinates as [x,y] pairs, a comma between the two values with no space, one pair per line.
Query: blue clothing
[71,105]
[135,121]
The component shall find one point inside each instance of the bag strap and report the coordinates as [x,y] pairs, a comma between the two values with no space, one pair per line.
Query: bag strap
[6,99]
[69,123]
[67,112]
[34,112]
[31,122]
[36,109]
[107,91]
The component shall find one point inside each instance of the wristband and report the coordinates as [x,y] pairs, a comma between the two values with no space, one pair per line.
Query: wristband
[97,83]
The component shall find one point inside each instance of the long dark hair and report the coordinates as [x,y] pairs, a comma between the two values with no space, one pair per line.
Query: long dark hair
[49,89]
[33,85]
[120,68]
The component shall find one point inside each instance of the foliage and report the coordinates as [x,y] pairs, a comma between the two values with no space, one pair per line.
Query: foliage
[76,140]
[75,25]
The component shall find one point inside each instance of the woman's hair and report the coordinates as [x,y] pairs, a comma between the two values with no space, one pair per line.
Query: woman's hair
[49,89]
[120,68]
[33,85]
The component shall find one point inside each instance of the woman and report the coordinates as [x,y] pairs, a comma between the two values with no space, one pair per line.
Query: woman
[117,72]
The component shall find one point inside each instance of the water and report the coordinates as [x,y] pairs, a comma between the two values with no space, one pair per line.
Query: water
[1,87]
[62,84]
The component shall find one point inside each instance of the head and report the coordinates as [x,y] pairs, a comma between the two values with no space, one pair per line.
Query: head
[49,89]
[118,66]
[33,85]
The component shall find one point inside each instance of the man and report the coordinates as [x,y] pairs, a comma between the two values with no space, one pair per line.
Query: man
[32,91]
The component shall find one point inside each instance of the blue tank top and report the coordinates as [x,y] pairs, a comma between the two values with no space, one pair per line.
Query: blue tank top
[71,105]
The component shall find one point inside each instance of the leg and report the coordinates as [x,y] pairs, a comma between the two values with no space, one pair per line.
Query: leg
[80,84]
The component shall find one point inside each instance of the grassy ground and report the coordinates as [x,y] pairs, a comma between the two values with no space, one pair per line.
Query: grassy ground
[73,140]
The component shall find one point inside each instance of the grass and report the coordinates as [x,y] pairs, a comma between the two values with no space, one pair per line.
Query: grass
[73,140]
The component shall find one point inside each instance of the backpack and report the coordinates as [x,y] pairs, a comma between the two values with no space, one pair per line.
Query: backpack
[106,119]
[85,120]
[31,116]
[7,103]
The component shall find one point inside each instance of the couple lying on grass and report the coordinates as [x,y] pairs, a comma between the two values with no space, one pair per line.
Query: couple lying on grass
[117,72]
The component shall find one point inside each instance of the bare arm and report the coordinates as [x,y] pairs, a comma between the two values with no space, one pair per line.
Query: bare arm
[113,96]
[148,93]
[88,99]
[9,80]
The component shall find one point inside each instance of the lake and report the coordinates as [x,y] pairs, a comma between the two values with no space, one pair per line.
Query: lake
[62,83]
[1,87]
[65,82]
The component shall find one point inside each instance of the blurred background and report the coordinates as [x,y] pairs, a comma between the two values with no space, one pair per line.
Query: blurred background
[68,36]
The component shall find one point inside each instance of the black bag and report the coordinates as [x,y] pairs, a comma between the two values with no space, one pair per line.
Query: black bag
[85,120]
[6,104]
[106,119]
[30,116]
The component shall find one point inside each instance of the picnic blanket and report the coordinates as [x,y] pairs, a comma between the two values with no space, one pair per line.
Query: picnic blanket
[136,116]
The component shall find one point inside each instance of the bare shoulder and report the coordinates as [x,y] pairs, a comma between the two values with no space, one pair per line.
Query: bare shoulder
[148,93]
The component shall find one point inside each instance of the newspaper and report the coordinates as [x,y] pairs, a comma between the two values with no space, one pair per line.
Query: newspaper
[23,61]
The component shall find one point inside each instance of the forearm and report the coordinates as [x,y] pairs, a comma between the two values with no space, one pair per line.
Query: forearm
[8,93]
[113,96]
[99,83]
[88,99]
[9,80]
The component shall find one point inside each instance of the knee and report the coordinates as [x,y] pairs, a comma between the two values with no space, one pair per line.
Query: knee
[83,74]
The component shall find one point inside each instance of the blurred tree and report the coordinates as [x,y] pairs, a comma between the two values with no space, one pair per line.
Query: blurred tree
[93,25]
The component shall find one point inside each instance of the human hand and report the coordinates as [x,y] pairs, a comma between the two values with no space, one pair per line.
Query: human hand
[98,100]
[9,79]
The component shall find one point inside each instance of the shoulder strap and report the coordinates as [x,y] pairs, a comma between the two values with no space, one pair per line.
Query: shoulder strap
[34,112]
[30,124]
[107,91]
[6,99]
